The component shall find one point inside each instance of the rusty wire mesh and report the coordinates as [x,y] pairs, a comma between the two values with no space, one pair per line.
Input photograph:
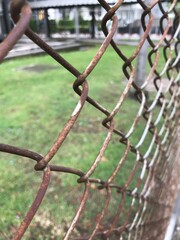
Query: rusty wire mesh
[141,212]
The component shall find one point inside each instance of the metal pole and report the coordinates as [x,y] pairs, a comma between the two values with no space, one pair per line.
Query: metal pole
[173,220]
[47,25]
[76,19]
[93,20]
[142,61]
[142,58]
[6,17]
[1,30]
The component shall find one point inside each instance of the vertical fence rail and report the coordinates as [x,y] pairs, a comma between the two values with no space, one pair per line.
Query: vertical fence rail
[153,197]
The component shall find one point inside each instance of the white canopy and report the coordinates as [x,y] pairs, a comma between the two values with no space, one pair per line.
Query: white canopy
[70,3]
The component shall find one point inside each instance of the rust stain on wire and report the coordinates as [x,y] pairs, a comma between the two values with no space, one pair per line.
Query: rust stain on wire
[151,197]
[34,207]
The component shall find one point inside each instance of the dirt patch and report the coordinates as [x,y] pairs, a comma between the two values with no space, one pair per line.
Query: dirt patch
[38,68]
[88,126]
[150,87]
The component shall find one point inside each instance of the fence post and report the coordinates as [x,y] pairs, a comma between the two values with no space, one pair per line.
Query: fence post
[142,57]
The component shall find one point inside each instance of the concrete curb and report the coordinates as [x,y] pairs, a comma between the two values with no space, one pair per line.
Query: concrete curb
[28,48]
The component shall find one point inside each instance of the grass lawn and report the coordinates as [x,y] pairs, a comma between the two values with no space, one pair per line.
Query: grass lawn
[34,108]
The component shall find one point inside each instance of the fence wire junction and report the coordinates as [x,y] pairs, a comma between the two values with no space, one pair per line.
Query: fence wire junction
[155,171]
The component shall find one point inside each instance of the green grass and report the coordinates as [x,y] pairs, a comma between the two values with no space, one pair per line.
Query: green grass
[34,109]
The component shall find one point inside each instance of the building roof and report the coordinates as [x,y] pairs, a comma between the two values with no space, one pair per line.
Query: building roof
[70,3]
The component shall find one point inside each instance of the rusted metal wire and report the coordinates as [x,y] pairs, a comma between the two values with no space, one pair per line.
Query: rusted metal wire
[152,198]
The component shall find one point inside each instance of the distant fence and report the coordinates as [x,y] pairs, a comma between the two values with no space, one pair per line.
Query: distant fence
[142,212]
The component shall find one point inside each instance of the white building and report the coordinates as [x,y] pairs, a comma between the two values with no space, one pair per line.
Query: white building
[90,10]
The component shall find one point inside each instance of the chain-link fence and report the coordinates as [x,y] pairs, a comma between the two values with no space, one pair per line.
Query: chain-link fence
[141,210]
